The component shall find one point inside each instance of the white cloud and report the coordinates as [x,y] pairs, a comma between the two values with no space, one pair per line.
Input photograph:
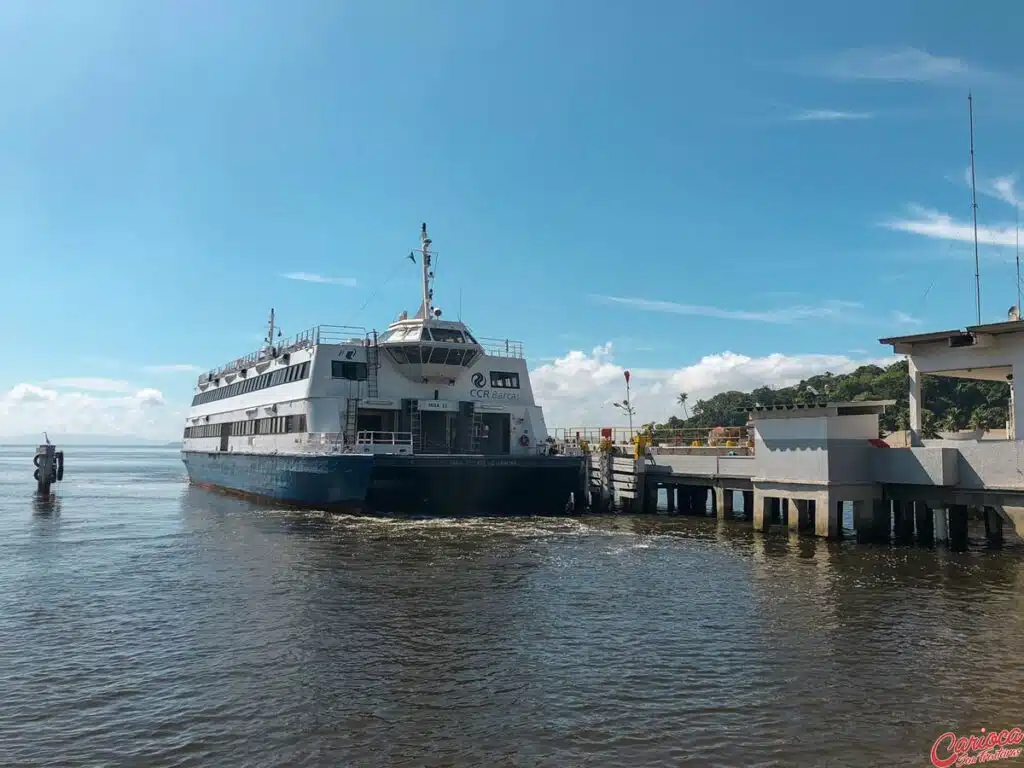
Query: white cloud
[579,388]
[906,64]
[905,319]
[829,114]
[173,368]
[91,384]
[831,309]
[310,277]
[93,408]
[29,393]
[931,223]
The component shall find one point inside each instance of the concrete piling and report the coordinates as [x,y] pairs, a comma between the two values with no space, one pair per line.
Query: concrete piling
[958,527]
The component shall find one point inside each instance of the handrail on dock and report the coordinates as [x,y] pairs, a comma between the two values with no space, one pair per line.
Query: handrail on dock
[688,437]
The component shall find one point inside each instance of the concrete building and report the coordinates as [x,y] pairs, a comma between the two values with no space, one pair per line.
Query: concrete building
[808,459]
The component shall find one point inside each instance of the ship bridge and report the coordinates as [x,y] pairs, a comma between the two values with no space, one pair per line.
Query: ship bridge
[430,349]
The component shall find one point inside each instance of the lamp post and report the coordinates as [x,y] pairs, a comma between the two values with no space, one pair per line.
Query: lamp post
[627,406]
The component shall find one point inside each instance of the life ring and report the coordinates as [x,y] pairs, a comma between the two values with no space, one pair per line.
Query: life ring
[38,460]
[524,441]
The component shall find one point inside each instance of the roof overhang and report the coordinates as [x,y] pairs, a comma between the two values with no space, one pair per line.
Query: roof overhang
[972,336]
[818,409]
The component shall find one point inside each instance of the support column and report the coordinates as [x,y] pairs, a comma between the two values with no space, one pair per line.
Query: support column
[941,525]
[925,523]
[723,503]
[670,501]
[994,527]
[1017,403]
[799,515]
[776,510]
[871,520]
[828,516]
[958,527]
[762,511]
[914,377]
[902,522]
[748,504]
[700,501]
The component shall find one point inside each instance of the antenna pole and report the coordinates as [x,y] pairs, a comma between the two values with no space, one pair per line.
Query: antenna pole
[974,207]
[270,334]
[425,250]
[1017,211]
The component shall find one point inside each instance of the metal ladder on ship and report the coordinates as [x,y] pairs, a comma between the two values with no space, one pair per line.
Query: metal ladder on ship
[351,420]
[372,364]
[476,429]
[415,426]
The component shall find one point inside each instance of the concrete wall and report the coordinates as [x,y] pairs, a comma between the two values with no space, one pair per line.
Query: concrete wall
[916,466]
[710,466]
[791,449]
[991,465]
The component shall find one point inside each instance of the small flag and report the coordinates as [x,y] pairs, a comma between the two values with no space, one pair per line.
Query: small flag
[412,257]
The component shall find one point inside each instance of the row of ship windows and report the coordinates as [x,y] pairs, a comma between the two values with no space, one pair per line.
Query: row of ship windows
[432,355]
[295,372]
[272,425]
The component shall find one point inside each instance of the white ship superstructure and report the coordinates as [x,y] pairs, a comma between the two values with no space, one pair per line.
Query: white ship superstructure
[426,385]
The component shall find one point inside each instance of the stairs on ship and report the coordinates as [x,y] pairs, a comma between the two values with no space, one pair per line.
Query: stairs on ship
[372,364]
[476,430]
[351,420]
[415,425]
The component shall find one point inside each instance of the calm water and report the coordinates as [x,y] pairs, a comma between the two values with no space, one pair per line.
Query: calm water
[146,623]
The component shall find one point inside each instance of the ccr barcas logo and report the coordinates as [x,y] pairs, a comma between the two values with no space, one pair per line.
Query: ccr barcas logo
[986,747]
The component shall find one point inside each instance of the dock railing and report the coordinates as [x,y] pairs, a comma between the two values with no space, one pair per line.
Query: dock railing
[685,440]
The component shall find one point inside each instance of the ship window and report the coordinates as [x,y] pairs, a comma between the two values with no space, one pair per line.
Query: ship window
[469,358]
[398,354]
[243,386]
[504,380]
[427,335]
[405,334]
[470,337]
[455,356]
[448,335]
[413,353]
[342,369]
[437,355]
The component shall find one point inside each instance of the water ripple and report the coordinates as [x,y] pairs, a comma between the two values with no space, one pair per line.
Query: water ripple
[146,623]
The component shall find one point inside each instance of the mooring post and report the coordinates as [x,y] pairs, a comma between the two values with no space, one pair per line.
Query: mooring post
[46,467]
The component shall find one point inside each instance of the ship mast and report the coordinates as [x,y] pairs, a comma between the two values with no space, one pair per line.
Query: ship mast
[270,332]
[428,293]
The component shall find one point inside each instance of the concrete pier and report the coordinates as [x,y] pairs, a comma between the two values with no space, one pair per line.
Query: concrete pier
[925,523]
[723,503]
[958,527]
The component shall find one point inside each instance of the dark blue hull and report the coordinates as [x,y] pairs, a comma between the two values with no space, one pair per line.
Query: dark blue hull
[441,485]
[304,480]
[451,485]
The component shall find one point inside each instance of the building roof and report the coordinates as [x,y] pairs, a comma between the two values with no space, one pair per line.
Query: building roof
[823,408]
[988,329]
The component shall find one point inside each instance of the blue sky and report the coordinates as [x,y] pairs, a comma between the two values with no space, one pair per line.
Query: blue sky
[648,185]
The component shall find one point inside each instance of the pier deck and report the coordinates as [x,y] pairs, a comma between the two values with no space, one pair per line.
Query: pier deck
[804,462]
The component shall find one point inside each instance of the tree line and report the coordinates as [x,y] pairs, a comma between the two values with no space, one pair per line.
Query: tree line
[948,404]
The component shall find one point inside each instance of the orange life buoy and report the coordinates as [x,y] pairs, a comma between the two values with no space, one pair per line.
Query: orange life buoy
[524,441]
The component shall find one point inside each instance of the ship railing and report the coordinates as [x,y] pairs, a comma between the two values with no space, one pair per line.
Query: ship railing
[318,334]
[501,347]
[383,442]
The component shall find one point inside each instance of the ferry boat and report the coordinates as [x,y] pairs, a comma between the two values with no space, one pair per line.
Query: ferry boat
[424,418]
